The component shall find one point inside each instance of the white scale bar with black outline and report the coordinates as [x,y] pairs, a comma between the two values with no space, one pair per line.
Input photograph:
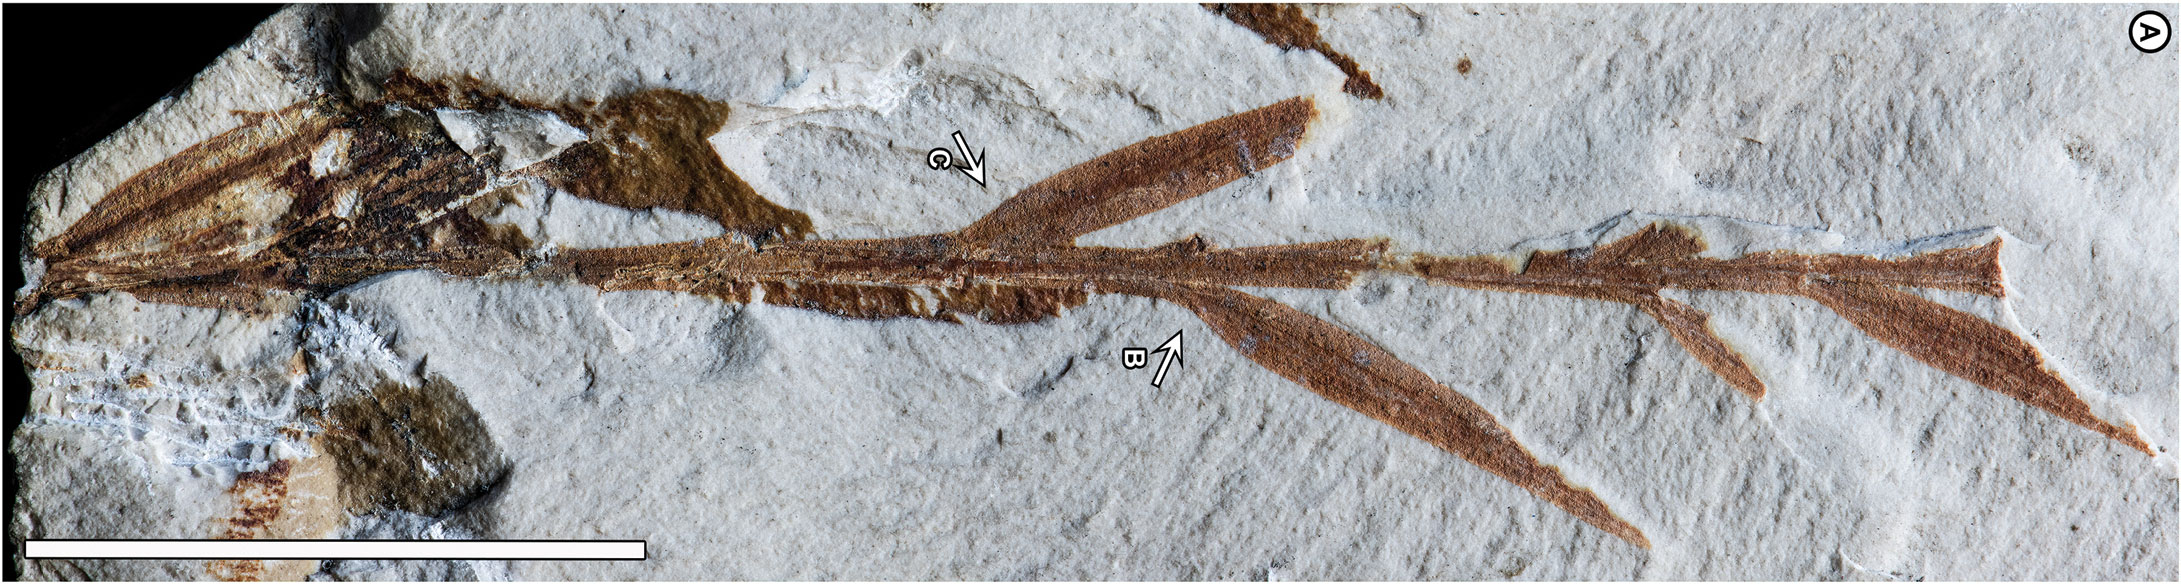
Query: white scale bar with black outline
[538,550]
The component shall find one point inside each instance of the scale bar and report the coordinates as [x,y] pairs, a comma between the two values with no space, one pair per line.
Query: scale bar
[594,550]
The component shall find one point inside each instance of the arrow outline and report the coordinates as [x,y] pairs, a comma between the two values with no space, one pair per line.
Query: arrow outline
[974,168]
[1169,352]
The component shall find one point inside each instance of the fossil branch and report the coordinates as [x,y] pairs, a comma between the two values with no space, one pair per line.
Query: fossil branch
[316,197]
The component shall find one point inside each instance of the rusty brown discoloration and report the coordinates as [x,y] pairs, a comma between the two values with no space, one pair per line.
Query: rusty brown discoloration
[1463,66]
[1692,328]
[259,496]
[1285,26]
[289,499]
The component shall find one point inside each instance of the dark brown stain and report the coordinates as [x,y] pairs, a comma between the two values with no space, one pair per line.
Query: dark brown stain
[1284,26]
[648,149]
[1463,66]
[419,449]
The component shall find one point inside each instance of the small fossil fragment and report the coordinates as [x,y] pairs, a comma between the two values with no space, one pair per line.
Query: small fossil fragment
[1285,27]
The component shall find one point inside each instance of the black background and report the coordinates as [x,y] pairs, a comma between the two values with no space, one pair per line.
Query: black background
[74,73]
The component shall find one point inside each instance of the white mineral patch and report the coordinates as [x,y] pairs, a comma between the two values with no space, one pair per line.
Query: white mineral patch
[331,156]
[762,442]
[511,138]
[576,223]
[878,88]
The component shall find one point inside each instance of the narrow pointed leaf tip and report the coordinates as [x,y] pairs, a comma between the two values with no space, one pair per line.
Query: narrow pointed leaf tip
[1143,178]
[1966,346]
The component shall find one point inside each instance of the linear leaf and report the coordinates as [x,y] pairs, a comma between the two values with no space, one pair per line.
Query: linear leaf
[191,186]
[1966,346]
[1357,374]
[1143,178]
[1692,328]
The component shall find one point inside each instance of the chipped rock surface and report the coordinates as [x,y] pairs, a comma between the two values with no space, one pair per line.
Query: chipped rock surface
[755,441]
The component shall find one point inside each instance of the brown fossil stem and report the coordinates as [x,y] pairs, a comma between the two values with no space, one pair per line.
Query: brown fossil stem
[938,260]
[1862,289]
[1665,258]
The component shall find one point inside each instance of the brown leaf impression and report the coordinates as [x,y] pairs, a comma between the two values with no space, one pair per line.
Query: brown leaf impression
[318,196]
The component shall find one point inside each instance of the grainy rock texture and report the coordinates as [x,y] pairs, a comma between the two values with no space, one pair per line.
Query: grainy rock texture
[753,441]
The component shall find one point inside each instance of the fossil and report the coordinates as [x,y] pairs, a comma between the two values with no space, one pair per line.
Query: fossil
[316,197]
[1284,26]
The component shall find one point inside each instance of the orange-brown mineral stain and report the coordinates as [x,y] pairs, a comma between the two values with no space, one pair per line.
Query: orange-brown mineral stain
[258,497]
[289,499]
